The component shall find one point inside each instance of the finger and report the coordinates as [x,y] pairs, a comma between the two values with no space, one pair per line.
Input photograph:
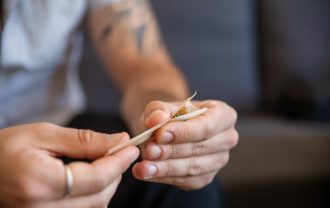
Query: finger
[158,111]
[180,167]
[221,142]
[94,177]
[45,177]
[100,199]
[186,183]
[217,118]
[77,143]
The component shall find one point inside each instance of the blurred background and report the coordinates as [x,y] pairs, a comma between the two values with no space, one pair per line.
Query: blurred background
[270,59]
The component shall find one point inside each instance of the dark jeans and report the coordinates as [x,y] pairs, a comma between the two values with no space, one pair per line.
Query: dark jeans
[133,193]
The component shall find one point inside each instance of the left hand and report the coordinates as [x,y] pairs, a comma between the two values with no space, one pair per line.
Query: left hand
[187,154]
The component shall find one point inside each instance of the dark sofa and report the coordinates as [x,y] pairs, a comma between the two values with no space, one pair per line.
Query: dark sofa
[271,61]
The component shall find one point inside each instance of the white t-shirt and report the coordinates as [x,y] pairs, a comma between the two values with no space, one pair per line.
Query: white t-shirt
[41,48]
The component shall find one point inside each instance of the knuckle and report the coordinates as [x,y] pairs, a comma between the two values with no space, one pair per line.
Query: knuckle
[173,151]
[199,148]
[194,168]
[207,179]
[220,105]
[167,168]
[195,183]
[208,130]
[195,187]
[57,167]
[232,114]
[229,112]
[181,134]
[201,182]
[179,181]
[235,115]
[234,138]
[26,192]
[213,103]
[85,136]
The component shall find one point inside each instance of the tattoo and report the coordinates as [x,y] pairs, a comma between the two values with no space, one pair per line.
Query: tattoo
[112,18]
[106,32]
[122,14]
[139,36]
[130,23]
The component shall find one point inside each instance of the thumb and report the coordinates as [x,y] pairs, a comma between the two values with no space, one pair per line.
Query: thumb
[158,111]
[78,143]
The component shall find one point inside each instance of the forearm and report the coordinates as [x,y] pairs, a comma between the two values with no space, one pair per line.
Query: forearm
[165,85]
[128,41]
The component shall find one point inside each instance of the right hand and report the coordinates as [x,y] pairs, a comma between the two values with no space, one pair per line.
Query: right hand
[32,176]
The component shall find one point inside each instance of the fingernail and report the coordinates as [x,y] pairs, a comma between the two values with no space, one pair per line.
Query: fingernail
[153,115]
[154,112]
[152,170]
[124,137]
[154,151]
[156,116]
[134,154]
[167,137]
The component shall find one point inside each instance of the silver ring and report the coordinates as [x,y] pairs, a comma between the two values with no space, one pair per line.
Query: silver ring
[68,181]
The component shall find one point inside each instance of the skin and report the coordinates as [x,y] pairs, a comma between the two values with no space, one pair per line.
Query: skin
[127,39]
[37,176]
[187,154]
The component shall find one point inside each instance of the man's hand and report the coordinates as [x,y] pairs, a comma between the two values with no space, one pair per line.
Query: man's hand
[32,176]
[187,154]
